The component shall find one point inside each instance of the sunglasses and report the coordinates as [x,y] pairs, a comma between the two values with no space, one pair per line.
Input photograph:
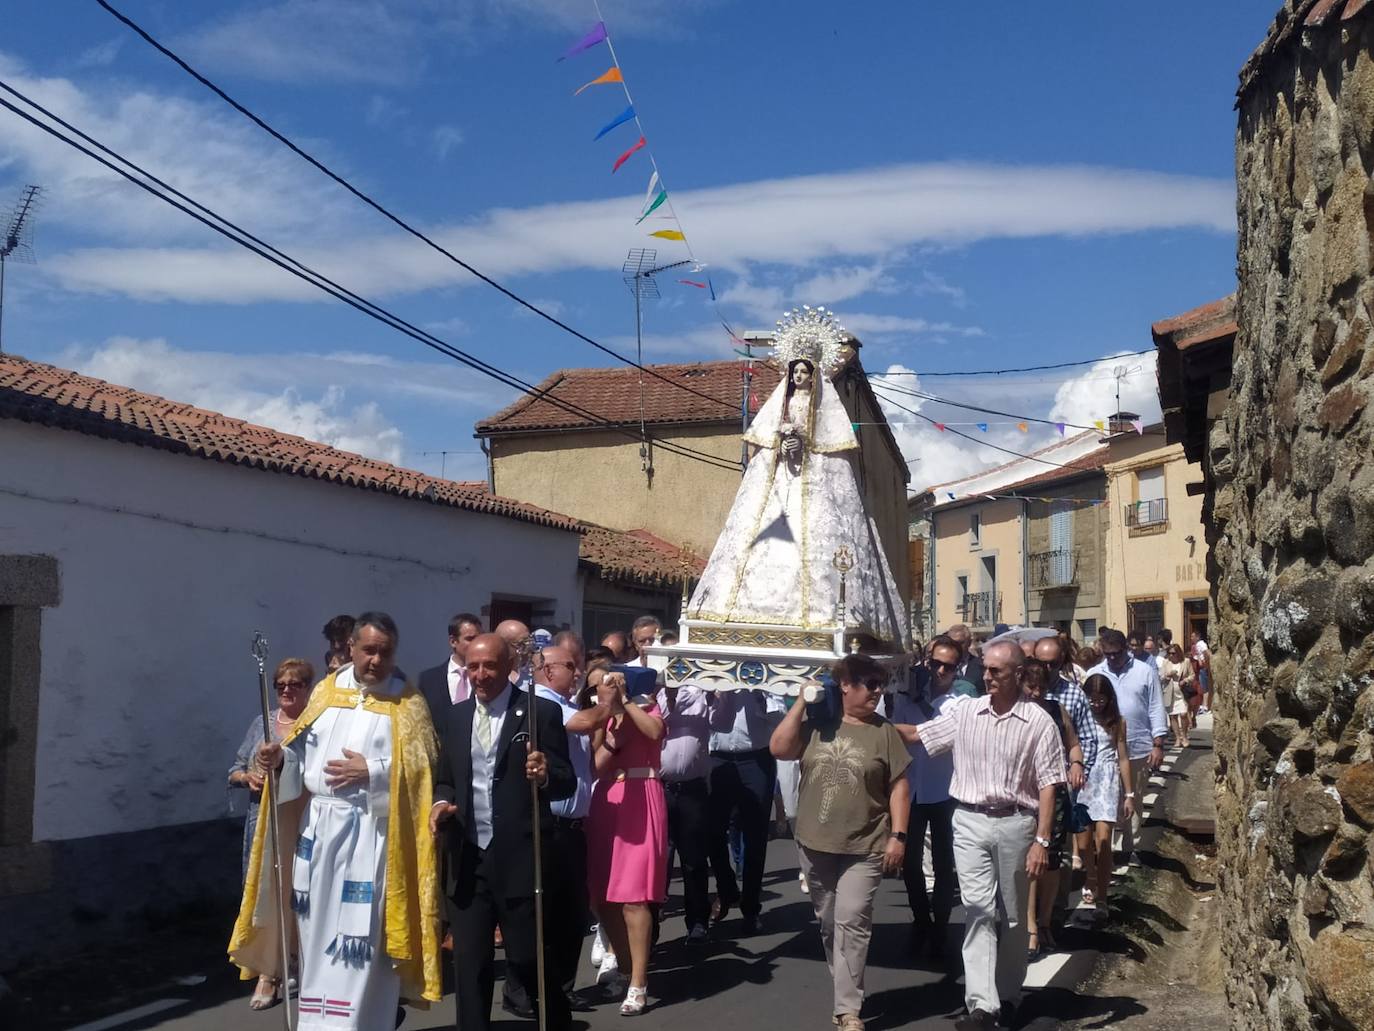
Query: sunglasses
[289,685]
[941,667]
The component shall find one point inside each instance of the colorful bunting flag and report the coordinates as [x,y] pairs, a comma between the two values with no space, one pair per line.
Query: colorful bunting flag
[983,426]
[940,426]
[1023,427]
[662,196]
[591,39]
[712,287]
[1138,426]
[626,156]
[611,74]
[693,282]
[1099,424]
[669,234]
[625,116]
[951,498]
[1060,427]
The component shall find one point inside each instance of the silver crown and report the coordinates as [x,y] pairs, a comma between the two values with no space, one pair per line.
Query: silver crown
[814,334]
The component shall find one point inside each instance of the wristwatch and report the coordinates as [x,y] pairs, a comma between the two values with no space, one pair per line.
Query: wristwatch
[900,836]
[1042,842]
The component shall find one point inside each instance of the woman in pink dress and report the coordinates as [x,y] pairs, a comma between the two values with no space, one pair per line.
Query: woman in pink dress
[627,826]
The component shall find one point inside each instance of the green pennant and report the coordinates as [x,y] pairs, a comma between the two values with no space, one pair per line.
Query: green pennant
[662,196]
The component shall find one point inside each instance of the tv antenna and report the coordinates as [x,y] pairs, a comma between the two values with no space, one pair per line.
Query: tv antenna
[1119,373]
[17,244]
[639,271]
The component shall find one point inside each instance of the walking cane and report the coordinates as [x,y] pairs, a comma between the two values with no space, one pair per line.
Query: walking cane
[532,660]
[260,653]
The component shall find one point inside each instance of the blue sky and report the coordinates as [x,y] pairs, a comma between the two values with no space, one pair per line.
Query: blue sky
[970,187]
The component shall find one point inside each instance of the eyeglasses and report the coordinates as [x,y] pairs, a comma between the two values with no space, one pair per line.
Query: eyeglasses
[874,685]
[941,667]
[569,666]
[289,685]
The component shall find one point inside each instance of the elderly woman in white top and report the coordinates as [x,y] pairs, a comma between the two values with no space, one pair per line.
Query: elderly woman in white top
[1177,682]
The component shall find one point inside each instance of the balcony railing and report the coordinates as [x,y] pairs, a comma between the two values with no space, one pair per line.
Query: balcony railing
[1148,513]
[981,609]
[1057,568]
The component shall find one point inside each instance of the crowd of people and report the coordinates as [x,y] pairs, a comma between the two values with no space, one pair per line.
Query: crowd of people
[409,813]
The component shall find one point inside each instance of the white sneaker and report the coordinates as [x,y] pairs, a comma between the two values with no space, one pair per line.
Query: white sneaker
[610,970]
[598,947]
[801,883]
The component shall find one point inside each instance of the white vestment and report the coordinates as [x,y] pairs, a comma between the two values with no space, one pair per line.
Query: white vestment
[774,561]
[338,876]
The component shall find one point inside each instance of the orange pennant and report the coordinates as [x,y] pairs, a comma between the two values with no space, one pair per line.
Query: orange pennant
[1023,427]
[611,74]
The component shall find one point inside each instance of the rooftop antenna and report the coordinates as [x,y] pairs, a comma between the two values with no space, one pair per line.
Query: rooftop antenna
[639,271]
[17,243]
[1119,373]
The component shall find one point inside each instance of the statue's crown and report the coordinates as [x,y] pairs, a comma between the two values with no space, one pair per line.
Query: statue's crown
[814,334]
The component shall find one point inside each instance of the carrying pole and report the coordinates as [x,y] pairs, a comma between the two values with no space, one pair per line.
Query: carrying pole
[273,833]
[531,659]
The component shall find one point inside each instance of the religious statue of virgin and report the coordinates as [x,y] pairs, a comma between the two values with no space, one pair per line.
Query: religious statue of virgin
[799,506]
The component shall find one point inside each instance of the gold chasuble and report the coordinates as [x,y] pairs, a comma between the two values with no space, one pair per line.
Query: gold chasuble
[410,934]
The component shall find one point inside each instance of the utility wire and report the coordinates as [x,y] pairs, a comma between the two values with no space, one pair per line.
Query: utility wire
[921,395]
[1005,372]
[978,440]
[301,271]
[396,219]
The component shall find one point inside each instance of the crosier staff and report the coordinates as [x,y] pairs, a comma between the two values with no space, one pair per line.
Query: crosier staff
[278,867]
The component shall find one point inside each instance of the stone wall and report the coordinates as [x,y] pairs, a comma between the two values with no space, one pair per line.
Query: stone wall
[1292,533]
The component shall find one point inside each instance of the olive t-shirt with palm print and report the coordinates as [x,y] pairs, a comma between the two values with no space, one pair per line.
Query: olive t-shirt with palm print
[846,771]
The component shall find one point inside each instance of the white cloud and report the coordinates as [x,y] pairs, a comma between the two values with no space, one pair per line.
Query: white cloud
[938,286]
[1091,394]
[822,238]
[334,398]
[445,138]
[862,323]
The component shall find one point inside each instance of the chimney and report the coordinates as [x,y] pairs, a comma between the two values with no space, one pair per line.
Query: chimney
[1121,423]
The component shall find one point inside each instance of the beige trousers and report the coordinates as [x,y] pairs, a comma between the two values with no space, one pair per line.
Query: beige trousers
[842,891]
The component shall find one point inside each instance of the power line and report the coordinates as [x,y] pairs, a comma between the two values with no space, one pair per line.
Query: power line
[301,271]
[921,395]
[1005,372]
[977,440]
[396,219]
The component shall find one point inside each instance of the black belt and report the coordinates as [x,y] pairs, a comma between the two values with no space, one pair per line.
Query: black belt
[563,823]
[996,810]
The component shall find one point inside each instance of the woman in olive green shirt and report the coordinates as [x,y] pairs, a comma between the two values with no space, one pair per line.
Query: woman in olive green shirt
[851,819]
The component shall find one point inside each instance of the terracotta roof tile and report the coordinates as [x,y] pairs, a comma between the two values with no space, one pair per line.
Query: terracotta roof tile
[1090,462]
[613,394]
[1214,320]
[50,396]
[635,555]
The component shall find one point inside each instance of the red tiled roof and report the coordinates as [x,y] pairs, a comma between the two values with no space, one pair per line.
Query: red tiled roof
[613,395]
[636,555]
[50,396]
[1090,462]
[1214,320]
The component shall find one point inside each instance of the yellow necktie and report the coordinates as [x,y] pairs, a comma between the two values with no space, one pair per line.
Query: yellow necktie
[484,727]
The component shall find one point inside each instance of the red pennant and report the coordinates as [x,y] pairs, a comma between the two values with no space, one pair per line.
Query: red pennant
[626,156]
[940,426]
[692,282]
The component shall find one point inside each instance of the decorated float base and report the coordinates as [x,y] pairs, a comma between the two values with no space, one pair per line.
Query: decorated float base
[785,660]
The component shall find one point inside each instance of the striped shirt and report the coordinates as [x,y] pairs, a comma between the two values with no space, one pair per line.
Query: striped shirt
[998,760]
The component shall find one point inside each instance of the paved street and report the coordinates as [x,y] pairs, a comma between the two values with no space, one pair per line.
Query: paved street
[774,979]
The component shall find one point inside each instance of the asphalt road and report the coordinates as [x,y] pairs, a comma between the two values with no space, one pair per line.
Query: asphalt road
[776,978]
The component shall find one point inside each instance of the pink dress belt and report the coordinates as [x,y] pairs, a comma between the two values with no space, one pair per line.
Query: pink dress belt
[637,773]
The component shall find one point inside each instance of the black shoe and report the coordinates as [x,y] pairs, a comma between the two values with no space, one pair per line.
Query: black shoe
[919,934]
[1007,1017]
[935,946]
[749,924]
[978,1020]
[525,1012]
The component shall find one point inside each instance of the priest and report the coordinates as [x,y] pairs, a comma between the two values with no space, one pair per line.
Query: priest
[358,768]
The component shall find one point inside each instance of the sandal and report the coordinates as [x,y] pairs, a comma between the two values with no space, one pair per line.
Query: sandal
[1033,949]
[265,994]
[635,1001]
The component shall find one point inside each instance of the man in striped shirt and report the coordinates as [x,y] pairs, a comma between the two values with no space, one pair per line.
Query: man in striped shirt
[1008,759]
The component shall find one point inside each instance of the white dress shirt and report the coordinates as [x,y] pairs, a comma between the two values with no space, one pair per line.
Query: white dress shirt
[580,752]
[484,766]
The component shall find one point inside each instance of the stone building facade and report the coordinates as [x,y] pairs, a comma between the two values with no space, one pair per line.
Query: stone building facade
[1287,442]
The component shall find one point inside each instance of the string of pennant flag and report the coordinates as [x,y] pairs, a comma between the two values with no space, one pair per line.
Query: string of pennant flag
[1089,502]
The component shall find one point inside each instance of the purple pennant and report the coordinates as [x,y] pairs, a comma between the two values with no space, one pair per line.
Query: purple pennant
[591,39]
[1060,427]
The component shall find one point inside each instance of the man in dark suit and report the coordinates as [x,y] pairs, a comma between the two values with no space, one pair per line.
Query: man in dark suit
[482,806]
[447,683]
